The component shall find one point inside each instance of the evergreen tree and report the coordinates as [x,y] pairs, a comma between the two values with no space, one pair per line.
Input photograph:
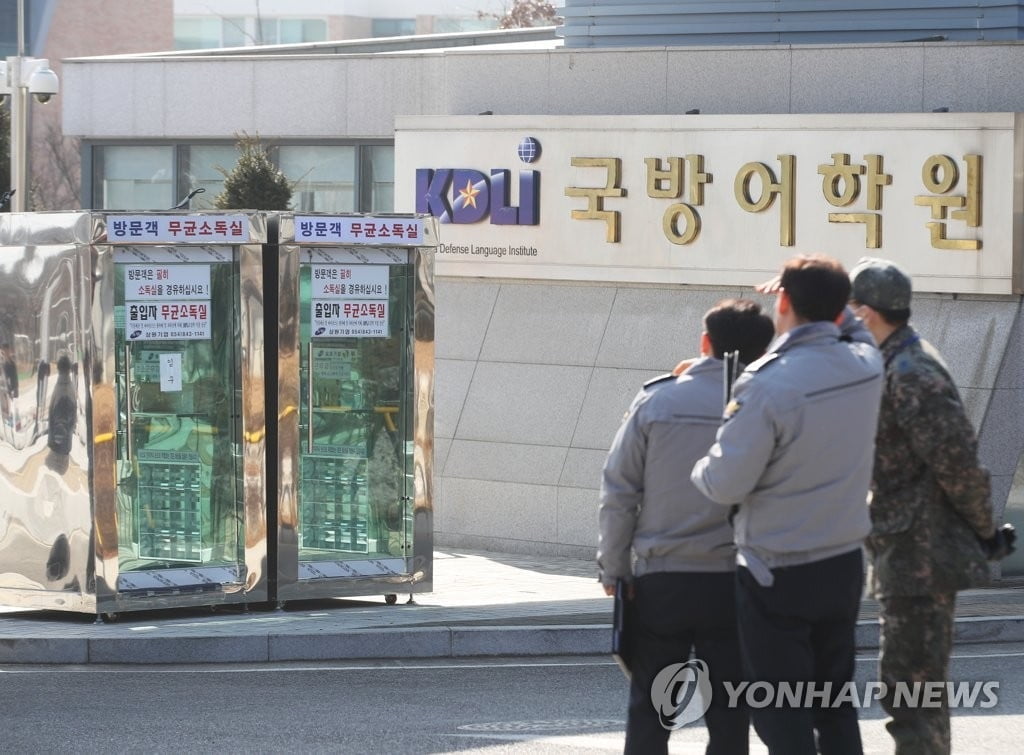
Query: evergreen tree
[254,183]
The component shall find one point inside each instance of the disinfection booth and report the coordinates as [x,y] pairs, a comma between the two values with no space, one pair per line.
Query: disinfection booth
[133,435]
[355,372]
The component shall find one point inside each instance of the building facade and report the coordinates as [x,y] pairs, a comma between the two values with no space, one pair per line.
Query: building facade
[533,372]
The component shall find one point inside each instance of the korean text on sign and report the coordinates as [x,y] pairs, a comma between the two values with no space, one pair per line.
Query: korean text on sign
[188,228]
[349,301]
[359,230]
[167,302]
[350,319]
[167,321]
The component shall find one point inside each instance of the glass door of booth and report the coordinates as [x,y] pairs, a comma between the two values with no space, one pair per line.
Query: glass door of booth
[179,490]
[354,425]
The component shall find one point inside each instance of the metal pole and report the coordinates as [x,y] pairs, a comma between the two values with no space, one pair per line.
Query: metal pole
[21,28]
[19,120]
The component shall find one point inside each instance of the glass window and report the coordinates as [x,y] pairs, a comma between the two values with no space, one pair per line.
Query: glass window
[201,166]
[268,31]
[196,33]
[381,178]
[355,426]
[295,30]
[450,24]
[324,177]
[392,27]
[136,178]
[180,501]
[233,33]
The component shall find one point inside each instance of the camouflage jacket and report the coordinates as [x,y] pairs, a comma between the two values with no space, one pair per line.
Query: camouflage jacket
[930,496]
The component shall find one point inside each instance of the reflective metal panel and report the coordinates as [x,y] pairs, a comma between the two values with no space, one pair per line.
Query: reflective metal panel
[181,506]
[45,406]
[423,418]
[355,410]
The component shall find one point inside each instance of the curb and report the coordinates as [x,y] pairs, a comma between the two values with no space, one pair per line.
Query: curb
[404,643]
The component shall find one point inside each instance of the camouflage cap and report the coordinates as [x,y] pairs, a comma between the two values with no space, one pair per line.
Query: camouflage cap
[880,284]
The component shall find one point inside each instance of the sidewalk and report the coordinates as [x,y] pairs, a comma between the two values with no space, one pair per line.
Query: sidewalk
[483,604]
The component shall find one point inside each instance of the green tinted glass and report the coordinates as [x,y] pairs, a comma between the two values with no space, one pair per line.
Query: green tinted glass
[355,407]
[177,363]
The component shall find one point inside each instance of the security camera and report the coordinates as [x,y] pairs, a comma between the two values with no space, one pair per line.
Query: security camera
[43,84]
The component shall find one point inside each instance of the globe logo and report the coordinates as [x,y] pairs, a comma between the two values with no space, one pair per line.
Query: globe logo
[681,693]
[528,149]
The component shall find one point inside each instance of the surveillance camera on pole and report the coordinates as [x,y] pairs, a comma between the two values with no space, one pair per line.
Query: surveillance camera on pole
[19,78]
[42,82]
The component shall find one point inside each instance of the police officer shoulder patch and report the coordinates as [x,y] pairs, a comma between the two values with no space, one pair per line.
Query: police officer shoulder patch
[731,408]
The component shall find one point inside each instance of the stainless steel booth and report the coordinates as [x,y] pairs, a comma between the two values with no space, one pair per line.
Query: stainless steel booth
[132,446]
[355,405]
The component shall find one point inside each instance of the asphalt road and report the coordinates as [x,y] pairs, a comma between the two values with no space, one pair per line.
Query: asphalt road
[498,705]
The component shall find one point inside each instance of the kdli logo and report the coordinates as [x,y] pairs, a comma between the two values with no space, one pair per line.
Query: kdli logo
[464,195]
[681,693]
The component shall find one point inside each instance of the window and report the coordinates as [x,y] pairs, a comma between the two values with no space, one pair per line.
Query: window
[324,177]
[197,33]
[448,24]
[296,30]
[233,33]
[205,32]
[392,27]
[201,166]
[379,177]
[135,178]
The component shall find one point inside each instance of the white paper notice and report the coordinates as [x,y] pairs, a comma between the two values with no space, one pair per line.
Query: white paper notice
[170,372]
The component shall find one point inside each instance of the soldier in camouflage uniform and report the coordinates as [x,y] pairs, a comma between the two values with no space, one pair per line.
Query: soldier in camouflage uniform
[930,506]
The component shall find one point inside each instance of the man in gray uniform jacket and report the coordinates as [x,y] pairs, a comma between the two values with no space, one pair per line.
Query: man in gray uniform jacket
[795,452]
[682,579]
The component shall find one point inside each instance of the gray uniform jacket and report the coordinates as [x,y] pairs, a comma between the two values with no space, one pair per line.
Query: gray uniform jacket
[796,449]
[647,500]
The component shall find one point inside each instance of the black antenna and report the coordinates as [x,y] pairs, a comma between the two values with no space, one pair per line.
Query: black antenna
[183,204]
[730,371]
[731,368]
[6,196]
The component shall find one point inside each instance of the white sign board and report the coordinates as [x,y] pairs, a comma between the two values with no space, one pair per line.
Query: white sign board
[360,229]
[718,199]
[191,229]
[334,364]
[170,373]
[349,301]
[167,321]
[152,282]
[167,302]
[349,281]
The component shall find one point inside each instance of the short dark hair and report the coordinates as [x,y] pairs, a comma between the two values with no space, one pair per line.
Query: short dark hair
[817,285]
[894,316]
[739,325]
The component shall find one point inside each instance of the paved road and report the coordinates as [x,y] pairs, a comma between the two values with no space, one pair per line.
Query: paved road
[552,705]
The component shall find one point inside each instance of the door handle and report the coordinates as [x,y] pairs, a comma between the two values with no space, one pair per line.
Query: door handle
[309,398]
[129,436]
